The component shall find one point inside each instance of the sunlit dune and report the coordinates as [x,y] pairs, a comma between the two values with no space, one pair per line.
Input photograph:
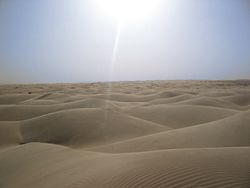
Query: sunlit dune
[132,134]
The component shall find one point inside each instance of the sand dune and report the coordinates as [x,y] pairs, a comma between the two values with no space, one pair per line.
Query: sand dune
[44,165]
[125,134]
[229,132]
[9,134]
[240,99]
[85,127]
[178,116]
[14,98]
[175,99]
[136,98]
[27,111]
[214,102]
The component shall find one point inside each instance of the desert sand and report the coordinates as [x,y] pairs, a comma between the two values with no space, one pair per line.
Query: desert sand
[174,134]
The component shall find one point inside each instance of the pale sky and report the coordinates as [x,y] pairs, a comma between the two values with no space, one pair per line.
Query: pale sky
[46,41]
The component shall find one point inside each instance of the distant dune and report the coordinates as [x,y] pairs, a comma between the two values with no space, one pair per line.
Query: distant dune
[175,134]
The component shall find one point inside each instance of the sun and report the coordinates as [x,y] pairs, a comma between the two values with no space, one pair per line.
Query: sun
[128,10]
[123,12]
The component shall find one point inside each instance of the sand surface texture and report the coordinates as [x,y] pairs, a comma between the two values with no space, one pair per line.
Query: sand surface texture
[176,134]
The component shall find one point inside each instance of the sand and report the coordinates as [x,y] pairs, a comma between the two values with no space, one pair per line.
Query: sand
[126,134]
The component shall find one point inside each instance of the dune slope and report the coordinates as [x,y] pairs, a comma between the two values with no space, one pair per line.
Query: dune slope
[229,132]
[45,165]
[82,127]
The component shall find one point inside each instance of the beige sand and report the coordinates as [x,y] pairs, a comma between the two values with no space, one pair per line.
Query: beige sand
[125,134]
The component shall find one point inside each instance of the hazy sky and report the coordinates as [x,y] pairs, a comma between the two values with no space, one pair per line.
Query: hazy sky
[73,41]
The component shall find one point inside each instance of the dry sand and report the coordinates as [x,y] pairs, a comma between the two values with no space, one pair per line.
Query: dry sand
[126,134]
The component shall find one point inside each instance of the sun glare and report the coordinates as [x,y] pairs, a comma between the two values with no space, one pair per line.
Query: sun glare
[125,11]
[128,10]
